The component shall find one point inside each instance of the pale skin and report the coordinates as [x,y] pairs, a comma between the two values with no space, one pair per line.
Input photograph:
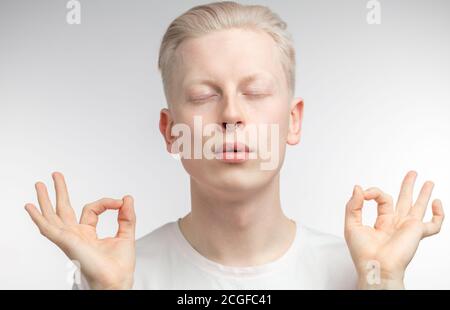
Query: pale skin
[236,217]
[107,263]
[398,229]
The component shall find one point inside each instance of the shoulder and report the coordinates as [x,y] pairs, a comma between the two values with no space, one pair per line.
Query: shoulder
[321,239]
[323,245]
[156,240]
[156,253]
[331,253]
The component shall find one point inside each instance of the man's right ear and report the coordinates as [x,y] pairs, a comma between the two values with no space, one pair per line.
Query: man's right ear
[165,127]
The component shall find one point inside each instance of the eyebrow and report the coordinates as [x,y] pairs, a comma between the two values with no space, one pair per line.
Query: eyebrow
[253,77]
[245,80]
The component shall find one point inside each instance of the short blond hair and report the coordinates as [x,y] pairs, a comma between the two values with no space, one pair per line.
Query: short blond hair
[204,19]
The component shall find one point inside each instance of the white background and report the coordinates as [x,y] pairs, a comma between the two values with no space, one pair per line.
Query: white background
[85,100]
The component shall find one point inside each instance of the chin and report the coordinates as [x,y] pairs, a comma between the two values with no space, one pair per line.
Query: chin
[229,177]
[236,183]
[239,180]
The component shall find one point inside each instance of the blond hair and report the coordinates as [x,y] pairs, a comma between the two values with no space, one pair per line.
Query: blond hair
[204,19]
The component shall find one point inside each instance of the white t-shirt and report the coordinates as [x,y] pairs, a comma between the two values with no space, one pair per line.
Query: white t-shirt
[315,260]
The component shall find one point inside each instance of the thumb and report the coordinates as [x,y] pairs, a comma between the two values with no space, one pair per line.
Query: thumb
[126,218]
[354,206]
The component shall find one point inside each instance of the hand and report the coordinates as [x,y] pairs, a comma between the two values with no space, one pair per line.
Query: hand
[391,243]
[106,263]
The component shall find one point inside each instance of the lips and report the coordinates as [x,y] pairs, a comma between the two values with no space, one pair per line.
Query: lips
[232,147]
[233,152]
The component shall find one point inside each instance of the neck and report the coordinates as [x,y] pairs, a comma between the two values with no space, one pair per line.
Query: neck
[242,229]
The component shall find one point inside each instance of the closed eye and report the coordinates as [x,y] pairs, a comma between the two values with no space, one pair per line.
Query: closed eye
[202,99]
[256,95]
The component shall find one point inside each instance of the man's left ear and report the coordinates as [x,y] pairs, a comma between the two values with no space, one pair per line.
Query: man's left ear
[295,121]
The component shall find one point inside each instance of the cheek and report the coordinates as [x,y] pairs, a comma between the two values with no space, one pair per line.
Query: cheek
[189,116]
[275,114]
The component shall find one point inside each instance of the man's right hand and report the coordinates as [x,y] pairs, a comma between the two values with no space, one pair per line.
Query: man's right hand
[107,263]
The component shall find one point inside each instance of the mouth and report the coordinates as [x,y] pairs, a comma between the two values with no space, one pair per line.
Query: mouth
[233,152]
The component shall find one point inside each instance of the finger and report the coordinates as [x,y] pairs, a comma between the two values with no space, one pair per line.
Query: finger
[91,211]
[353,211]
[63,207]
[45,204]
[45,228]
[419,208]
[434,226]
[126,219]
[383,200]
[405,197]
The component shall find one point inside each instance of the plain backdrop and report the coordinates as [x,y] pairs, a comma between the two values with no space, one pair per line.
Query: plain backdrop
[85,100]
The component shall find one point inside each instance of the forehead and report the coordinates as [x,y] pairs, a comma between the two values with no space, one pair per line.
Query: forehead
[244,55]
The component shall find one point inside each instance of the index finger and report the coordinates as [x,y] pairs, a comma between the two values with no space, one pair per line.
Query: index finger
[383,200]
[91,211]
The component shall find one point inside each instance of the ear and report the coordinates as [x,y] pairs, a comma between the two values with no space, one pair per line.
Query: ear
[295,121]
[165,127]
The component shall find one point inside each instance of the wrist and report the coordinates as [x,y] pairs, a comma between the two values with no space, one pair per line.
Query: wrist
[383,284]
[110,283]
[125,285]
[376,275]
[379,279]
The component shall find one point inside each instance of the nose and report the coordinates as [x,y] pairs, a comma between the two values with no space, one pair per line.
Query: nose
[232,113]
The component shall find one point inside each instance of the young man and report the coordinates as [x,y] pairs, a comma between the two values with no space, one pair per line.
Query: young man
[233,66]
